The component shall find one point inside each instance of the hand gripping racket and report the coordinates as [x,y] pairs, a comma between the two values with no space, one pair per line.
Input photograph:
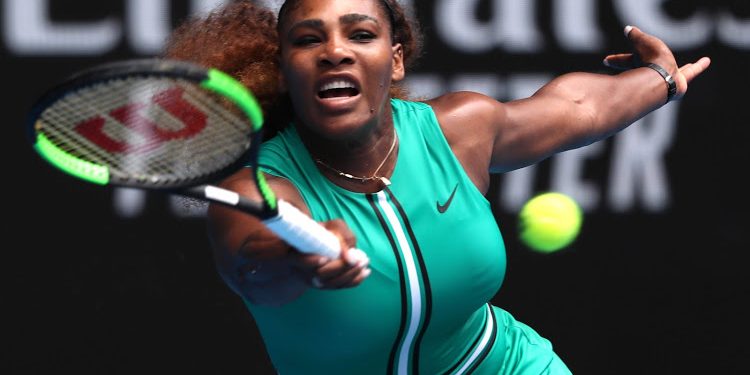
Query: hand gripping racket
[166,125]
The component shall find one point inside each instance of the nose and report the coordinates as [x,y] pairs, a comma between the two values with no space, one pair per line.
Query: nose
[336,52]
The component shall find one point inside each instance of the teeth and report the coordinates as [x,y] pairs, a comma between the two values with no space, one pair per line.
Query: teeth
[340,84]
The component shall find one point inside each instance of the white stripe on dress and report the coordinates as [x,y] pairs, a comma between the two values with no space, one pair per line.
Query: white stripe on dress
[414,285]
[488,328]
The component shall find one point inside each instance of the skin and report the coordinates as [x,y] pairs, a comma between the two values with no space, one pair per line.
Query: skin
[571,111]
[324,40]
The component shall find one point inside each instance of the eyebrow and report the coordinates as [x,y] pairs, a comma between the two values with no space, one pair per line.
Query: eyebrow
[347,19]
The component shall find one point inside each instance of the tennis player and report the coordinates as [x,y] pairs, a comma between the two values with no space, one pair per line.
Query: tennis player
[403,180]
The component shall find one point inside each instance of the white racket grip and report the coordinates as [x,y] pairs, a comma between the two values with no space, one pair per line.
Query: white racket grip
[302,232]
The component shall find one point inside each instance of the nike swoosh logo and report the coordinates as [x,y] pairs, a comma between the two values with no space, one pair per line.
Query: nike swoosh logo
[444,207]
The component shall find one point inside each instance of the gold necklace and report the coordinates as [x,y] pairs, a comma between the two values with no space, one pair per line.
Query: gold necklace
[363,179]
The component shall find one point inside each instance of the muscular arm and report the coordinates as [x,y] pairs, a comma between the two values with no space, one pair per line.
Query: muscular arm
[258,265]
[251,260]
[571,111]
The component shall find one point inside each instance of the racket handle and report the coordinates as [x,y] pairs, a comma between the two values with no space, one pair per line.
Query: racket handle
[302,232]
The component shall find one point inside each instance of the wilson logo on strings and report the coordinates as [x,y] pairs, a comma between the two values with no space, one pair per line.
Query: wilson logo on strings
[150,134]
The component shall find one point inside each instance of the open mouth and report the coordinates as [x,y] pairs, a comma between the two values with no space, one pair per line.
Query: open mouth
[338,89]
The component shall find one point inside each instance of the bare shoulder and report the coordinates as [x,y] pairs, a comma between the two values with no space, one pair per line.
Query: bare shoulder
[460,101]
[457,110]
[470,123]
[286,190]
[467,114]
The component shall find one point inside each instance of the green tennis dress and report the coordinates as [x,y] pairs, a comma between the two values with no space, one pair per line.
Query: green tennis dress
[437,258]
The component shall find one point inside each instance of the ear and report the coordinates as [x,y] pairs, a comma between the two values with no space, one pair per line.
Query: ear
[399,71]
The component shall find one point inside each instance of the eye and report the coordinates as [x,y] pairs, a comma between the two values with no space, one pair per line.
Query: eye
[306,40]
[363,36]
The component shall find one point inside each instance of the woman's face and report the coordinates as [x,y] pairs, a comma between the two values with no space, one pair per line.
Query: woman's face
[338,63]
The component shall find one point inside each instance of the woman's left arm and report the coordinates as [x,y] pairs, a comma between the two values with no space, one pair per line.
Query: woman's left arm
[578,109]
[571,111]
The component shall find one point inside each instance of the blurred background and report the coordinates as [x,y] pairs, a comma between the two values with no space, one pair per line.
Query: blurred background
[118,282]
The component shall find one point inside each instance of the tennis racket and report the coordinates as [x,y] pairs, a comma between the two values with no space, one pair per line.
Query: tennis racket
[160,124]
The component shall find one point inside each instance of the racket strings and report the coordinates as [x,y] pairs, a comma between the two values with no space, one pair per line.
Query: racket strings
[231,132]
[72,109]
[157,130]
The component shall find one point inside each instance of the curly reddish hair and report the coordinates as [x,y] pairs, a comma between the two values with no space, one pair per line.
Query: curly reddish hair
[241,39]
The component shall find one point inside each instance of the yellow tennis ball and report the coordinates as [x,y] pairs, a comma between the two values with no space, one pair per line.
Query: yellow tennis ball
[549,222]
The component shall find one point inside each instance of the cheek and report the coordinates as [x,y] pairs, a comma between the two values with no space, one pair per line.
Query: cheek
[292,76]
[294,67]
[297,84]
[389,68]
[383,74]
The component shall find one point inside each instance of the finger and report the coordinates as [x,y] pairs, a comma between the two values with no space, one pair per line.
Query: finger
[333,269]
[620,61]
[356,257]
[336,268]
[315,281]
[633,33]
[327,271]
[649,49]
[692,70]
[645,45]
[340,229]
[627,30]
[309,262]
[350,278]
[353,256]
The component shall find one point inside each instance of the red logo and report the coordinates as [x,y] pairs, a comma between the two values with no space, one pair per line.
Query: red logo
[131,116]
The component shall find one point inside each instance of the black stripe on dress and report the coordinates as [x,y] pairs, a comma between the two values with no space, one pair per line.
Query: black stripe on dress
[472,347]
[490,343]
[425,278]
[402,283]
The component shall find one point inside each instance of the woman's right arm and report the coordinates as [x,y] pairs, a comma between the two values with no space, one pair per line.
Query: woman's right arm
[262,268]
